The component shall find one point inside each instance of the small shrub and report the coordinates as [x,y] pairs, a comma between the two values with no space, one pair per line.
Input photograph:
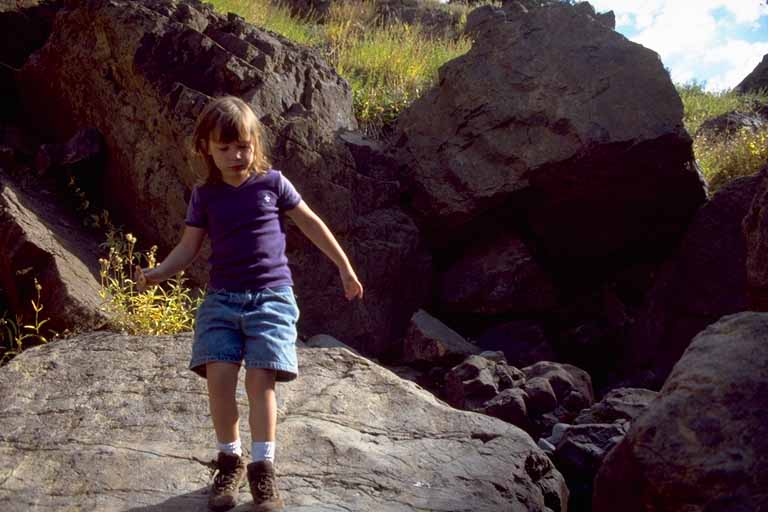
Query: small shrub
[17,336]
[722,160]
[161,309]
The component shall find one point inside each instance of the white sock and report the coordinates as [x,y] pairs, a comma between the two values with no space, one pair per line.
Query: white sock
[233,448]
[263,451]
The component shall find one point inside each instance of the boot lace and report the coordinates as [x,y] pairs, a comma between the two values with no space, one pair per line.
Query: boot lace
[224,478]
[265,485]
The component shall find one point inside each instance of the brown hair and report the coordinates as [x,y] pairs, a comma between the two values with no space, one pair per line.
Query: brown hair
[228,119]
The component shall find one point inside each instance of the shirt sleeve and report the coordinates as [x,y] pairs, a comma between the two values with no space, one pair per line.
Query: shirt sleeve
[287,196]
[196,215]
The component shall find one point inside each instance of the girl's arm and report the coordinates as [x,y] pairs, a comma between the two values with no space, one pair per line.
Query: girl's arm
[315,229]
[178,259]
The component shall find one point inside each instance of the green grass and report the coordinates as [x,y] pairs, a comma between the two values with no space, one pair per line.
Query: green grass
[701,105]
[274,17]
[387,67]
[723,158]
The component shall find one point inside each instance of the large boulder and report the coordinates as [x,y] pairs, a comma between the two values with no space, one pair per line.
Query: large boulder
[755,229]
[757,80]
[501,277]
[106,422]
[42,241]
[141,71]
[703,443]
[705,280]
[554,118]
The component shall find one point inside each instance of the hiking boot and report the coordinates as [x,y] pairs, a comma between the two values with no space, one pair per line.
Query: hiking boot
[230,470]
[261,478]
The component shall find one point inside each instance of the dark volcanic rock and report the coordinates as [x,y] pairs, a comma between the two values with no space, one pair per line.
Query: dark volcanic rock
[430,341]
[499,278]
[524,342]
[703,443]
[40,240]
[729,123]
[621,404]
[755,229]
[561,119]
[705,280]
[757,80]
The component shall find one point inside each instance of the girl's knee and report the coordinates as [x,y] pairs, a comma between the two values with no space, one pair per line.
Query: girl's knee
[259,378]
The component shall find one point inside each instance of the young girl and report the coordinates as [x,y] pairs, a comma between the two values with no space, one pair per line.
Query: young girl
[249,312]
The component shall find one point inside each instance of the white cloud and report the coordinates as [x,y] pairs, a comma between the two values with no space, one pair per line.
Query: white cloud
[738,58]
[695,38]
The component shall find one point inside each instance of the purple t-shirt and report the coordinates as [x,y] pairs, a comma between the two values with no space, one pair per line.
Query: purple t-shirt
[245,225]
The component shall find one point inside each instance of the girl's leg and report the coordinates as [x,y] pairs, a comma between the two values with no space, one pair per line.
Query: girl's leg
[222,386]
[262,415]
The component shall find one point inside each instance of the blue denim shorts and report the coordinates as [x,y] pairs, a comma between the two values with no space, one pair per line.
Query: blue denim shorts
[256,327]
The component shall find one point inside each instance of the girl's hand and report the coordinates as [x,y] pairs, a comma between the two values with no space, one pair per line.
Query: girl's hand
[142,278]
[352,286]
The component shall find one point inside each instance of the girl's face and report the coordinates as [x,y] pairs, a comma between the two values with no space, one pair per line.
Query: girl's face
[231,158]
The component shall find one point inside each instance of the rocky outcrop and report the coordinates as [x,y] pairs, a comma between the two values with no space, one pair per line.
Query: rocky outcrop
[533,122]
[726,125]
[755,229]
[578,449]
[351,435]
[618,405]
[42,241]
[428,340]
[140,72]
[502,277]
[534,398]
[704,281]
[757,80]
[702,444]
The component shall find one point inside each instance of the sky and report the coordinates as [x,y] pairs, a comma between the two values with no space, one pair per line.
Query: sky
[714,42]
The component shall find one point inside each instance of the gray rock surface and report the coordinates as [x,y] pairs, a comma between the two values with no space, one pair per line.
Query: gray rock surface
[104,422]
[326,341]
[42,241]
[702,445]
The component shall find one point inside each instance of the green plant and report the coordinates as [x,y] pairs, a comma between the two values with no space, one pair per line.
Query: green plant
[18,336]
[391,66]
[166,309]
[700,105]
[724,159]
